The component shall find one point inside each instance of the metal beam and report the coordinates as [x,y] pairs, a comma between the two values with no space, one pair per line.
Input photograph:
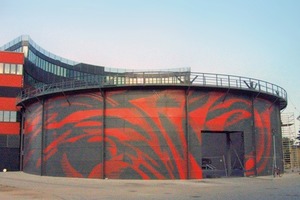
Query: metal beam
[66,97]
[226,95]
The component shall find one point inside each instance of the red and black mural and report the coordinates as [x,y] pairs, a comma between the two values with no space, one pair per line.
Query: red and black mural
[144,134]
[32,140]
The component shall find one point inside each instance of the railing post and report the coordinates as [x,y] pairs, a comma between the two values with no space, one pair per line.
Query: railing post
[240,79]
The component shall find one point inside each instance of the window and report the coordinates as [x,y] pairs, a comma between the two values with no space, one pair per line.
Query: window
[13,68]
[38,62]
[13,116]
[42,64]
[1,68]
[50,68]
[71,73]
[58,71]
[8,116]
[6,68]
[19,69]
[55,68]
[47,66]
[32,56]
[64,72]
[1,116]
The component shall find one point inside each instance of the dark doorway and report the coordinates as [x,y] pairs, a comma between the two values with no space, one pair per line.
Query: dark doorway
[222,153]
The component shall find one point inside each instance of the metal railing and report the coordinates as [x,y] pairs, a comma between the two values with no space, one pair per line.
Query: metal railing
[159,78]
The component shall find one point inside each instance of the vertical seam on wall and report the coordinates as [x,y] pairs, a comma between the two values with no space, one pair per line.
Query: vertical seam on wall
[187,133]
[254,135]
[22,139]
[42,137]
[103,132]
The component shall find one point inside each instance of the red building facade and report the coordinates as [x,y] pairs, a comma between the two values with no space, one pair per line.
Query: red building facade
[11,82]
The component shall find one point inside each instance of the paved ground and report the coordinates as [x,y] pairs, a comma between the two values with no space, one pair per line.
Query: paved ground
[19,185]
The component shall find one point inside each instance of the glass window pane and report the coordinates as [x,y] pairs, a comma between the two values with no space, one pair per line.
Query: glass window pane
[29,55]
[6,116]
[1,68]
[13,68]
[6,68]
[1,116]
[39,62]
[43,65]
[13,116]
[64,72]
[58,70]
[20,69]
[47,66]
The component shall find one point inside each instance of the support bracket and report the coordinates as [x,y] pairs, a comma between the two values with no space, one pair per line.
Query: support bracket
[273,103]
[66,98]
[226,95]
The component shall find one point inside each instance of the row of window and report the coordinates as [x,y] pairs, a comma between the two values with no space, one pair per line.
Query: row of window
[58,70]
[119,80]
[55,69]
[47,66]
[6,68]
[8,116]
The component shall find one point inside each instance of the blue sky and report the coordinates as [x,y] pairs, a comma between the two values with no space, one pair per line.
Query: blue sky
[258,38]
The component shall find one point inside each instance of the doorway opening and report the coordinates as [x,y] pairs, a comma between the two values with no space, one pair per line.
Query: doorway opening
[222,153]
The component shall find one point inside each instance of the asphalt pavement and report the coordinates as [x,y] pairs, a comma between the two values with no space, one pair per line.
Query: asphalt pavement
[19,185]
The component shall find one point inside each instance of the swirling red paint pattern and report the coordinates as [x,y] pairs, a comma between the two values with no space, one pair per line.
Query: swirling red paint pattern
[144,133]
